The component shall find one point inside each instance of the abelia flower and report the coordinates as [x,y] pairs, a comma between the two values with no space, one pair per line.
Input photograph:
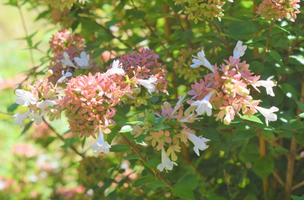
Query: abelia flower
[268,113]
[66,61]
[36,117]
[199,143]
[166,163]
[25,98]
[115,69]
[44,104]
[83,61]
[204,105]
[268,84]
[101,144]
[201,60]
[20,118]
[239,51]
[149,84]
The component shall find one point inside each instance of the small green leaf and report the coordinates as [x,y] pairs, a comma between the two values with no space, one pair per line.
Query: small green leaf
[134,156]
[275,55]
[252,118]
[150,117]
[183,191]
[140,123]
[250,197]
[160,127]
[297,197]
[241,135]
[12,107]
[120,148]
[126,129]
[27,126]
[268,134]
[161,119]
[280,150]
[263,166]
[210,133]
[249,153]
[156,184]
[83,142]
[152,163]
[69,142]
[144,180]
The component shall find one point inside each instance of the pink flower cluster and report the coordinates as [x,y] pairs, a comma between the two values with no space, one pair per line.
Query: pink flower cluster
[226,91]
[90,100]
[143,65]
[66,47]
[278,9]
[174,130]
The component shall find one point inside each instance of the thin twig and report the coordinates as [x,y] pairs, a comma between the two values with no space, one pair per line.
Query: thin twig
[156,173]
[220,35]
[226,180]
[61,138]
[278,178]
[25,30]
[298,185]
[267,41]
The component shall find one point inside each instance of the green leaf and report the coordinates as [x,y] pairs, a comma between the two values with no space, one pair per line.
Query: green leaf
[183,191]
[83,142]
[12,107]
[217,198]
[267,134]
[27,126]
[69,142]
[134,156]
[300,138]
[249,153]
[252,118]
[161,119]
[275,55]
[289,91]
[144,180]
[297,197]
[120,148]
[135,14]
[160,127]
[263,166]
[280,150]
[210,133]
[152,163]
[250,197]
[156,184]
[256,66]
[300,105]
[150,117]
[241,135]
[140,123]
[126,129]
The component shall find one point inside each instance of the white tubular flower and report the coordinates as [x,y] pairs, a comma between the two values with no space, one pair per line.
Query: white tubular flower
[239,50]
[64,77]
[199,143]
[83,61]
[25,97]
[20,118]
[268,84]
[100,144]
[116,69]
[268,113]
[179,103]
[36,117]
[166,163]
[204,105]
[148,84]
[66,61]
[46,103]
[201,60]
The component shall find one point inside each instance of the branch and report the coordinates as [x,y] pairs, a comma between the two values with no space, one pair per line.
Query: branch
[220,35]
[156,173]
[278,178]
[267,41]
[61,138]
[297,185]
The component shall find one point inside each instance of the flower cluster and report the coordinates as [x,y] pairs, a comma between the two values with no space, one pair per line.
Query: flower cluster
[61,5]
[69,55]
[198,9]
[40,98]
[171,130]
[226,91]
[278,9]
[182,66]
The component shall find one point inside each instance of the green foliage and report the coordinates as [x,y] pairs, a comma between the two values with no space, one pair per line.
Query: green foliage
[240,157]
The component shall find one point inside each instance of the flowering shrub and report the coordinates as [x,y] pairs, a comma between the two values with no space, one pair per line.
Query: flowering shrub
[171,98]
